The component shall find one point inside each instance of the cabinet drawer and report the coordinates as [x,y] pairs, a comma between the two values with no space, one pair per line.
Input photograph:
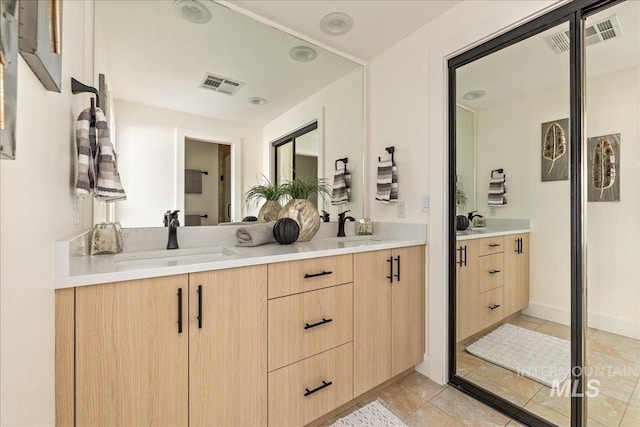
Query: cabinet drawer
[490,245]
[490,272]
[488,315]
[293,277]
[304,391]
[309,323]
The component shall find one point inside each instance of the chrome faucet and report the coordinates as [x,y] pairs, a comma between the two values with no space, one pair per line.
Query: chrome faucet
[171,221]
[341,220]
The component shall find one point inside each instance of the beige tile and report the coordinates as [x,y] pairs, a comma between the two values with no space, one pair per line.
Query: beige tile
[421,385]
[592,423]
[547,399]
[555,330]
[624,348]
[468,410]
[431,416]
[631,417]
[509,379]
[548,414]
[635,397]
[467,361]
[524,324]
[603,364]
[400,400]
[620,388]
[514,423]
[605,409]
[530,319]
[498,389]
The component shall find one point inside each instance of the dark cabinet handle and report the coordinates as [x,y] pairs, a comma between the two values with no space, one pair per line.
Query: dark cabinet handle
[199,306]
[322,322]
[494,306]
[464,249]
[398,261]
[310,392]
[324,273]
[494,271]
[390,276]
[179,310]
[459,261]
[494,245]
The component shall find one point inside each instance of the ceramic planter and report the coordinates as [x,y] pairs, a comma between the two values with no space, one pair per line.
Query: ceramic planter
[269,211]
[307,216]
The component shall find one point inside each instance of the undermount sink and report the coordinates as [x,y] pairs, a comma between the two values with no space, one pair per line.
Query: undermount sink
[173,256]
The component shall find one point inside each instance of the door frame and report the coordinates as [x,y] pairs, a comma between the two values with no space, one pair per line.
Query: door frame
[574,13]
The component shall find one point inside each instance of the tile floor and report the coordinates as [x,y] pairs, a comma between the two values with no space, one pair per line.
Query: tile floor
[612,360]
[421,402]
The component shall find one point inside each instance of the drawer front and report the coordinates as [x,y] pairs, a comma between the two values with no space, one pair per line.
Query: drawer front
[293,277]
[490,272]
[490,245]
[488,312]
[298,393]
[306,324]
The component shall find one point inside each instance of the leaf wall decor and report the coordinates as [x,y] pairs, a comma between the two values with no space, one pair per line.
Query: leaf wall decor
[603,174]
[555,145]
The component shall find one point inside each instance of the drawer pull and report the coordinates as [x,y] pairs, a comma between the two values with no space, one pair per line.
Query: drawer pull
[313,325]
[310,392]
[494,245]
[390,276]
[199,306]
[179,310]
[494,271]
[494,306]
[324,273]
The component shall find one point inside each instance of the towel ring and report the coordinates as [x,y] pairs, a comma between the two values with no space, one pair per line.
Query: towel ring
[344,160]
[389,150]
[504,175]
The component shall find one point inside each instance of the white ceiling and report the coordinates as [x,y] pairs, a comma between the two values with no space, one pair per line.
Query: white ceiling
[530,67]
[377,24]
[152,56]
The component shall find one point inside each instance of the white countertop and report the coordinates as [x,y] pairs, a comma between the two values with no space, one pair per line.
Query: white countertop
[480,233]
[91,270]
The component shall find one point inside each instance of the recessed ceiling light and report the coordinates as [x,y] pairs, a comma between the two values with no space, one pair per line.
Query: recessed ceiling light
[336,24]
[192,11]
[303,54]
[257,101]
[474,94]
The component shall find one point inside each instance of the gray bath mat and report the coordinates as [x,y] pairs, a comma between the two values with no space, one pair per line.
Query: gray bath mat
[374,414]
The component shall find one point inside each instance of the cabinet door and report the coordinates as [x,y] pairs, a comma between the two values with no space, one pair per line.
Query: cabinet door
[228,347]
[131,358]
[372,320]
[407,300]
[466,288]
[516,266]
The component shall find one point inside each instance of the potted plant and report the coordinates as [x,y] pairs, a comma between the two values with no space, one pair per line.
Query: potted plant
[462,222]
[271,194]
[300,208]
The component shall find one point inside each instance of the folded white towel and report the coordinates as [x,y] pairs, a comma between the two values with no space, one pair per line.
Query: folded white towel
[497,191]
[341,186]
[387,182]
[255,235]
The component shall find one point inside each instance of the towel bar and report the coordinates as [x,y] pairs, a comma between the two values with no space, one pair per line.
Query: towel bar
[344,160]
[389,150]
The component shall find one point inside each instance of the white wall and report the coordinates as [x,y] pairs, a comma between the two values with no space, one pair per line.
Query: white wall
[410,113]
[342,102]
[509,136]
[36,209]
[148,135]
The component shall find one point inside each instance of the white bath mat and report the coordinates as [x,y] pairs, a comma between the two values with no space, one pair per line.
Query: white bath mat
[374,414]
[541,357]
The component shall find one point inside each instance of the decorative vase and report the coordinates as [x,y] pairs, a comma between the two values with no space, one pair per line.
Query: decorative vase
[462,222]
[305,214]
[286,231]
[269,211]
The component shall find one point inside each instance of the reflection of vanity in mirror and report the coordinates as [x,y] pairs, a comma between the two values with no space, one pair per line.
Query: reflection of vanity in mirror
[197,149]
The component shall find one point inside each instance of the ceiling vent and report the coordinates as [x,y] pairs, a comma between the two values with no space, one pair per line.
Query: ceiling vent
[220,84]
[600,31]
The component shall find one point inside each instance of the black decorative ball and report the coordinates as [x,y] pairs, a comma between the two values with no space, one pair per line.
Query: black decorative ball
[462,222]
[286,231]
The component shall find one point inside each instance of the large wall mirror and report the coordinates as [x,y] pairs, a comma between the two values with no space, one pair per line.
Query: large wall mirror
[517,292]
[197,94]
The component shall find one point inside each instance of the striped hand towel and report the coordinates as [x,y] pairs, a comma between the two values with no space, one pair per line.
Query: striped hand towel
[497,191]
[387,182]
[341,186]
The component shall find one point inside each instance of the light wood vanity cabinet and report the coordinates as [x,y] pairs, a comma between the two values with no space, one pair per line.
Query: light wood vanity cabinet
[388,316]
[492,281]
[272,344]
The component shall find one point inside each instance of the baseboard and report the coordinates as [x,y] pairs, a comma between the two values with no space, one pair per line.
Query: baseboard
[597,320]
[423,367]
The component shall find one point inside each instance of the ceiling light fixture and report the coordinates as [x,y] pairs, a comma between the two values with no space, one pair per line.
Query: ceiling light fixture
[257,101]
[336,23]
[192,11]
[303,54]
[474,94]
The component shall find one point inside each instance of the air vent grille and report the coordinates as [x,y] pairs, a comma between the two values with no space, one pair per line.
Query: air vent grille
[220,84]
[600,31]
